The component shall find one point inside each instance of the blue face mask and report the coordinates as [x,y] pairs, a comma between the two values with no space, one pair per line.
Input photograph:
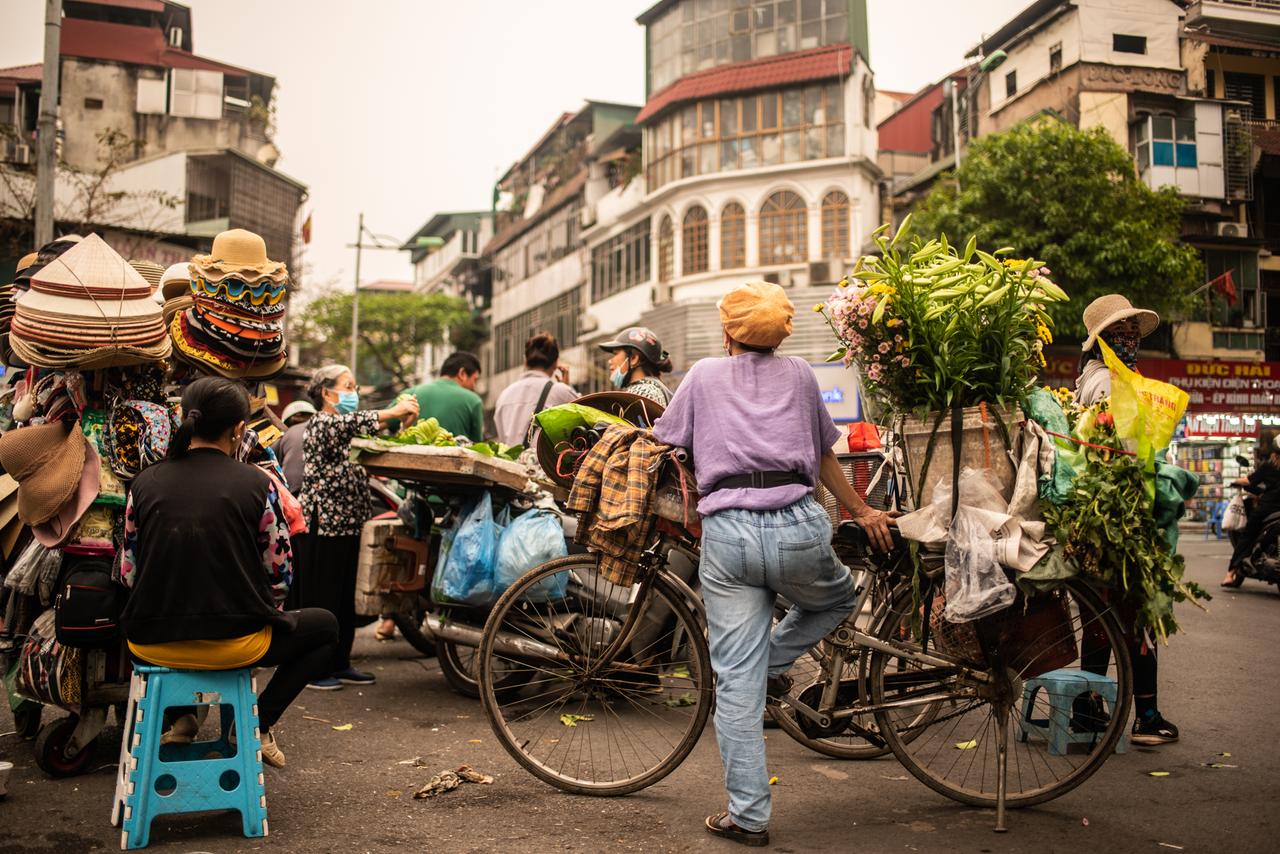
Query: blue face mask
[618,378]
[348,402]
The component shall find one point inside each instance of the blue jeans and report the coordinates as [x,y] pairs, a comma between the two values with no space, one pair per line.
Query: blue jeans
[749,556]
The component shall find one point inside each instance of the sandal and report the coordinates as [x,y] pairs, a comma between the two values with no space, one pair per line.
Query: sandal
[1234,579]
[721,825]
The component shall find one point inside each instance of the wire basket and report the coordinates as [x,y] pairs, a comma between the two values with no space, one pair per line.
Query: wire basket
[872,476]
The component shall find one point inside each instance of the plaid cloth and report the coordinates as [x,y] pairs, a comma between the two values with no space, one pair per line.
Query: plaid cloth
[613,493]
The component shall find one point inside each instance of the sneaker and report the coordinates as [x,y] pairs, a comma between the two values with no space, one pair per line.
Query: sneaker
[722,825]
[183,731]
[1152,729]
[777,687]
[328,683]
[351,676]
[271,753]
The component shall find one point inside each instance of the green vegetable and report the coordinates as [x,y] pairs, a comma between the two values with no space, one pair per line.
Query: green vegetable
[425,432]
[497,449]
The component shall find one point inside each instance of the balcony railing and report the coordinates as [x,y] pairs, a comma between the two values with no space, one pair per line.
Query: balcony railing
[1247,18]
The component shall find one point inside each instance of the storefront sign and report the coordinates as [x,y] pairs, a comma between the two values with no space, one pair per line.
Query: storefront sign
[1127,78]
[1225,387]
[1225,426]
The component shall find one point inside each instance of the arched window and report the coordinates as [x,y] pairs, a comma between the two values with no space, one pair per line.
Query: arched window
[784,232]
[733,237]
[835,225]
[666,250]
[694,249]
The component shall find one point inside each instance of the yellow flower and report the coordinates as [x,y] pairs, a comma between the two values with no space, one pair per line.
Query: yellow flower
[819,307]
[892,322]
[844,283]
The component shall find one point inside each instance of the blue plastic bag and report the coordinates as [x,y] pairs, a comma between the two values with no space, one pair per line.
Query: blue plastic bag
[469,558]
[530,541]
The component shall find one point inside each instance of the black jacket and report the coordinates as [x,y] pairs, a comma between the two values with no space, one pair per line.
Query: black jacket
[199,562]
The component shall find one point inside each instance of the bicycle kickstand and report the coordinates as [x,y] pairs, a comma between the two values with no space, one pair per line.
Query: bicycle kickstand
[1002,765]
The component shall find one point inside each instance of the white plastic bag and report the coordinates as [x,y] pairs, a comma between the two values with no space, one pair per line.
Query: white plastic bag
[975,585]
[1234,518]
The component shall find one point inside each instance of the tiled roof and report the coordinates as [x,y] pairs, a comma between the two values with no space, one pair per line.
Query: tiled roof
[134,45]
[11,77]
[819,63]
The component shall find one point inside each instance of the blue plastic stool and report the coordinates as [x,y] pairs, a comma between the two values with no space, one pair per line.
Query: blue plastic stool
[1063,686]
[155,780]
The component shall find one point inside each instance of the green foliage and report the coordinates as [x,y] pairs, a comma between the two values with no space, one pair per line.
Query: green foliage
[394,327]
[1072,198]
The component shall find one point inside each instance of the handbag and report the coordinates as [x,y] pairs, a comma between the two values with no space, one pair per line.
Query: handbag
[1234,518]
[49,672]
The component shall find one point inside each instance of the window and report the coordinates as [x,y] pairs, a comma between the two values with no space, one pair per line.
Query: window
[666,250]
[699,34]
[694,241]
[1128,44]
[1246,87]
[1237,341]
[784,233]
[93,103]
[1165,141]
[733,237]
[621,262]
[746,132]
[1010,84]
[1055,58]
[195,94]
[559,316]
[835,225]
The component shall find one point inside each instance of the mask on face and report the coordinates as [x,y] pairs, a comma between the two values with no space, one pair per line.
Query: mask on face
[618,378]
[348,402]
[1125,345]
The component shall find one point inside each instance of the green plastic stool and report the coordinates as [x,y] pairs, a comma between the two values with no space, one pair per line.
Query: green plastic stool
[203,776]
[1063,687]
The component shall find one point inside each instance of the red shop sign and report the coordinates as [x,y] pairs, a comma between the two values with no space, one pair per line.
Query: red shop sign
[1220,386]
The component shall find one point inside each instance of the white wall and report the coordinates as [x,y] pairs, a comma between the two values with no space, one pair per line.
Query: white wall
[167,174]
[1030,58]
[563,275]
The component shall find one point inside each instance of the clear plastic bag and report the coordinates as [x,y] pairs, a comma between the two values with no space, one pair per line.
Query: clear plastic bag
[469,558]
[530,541]
[975,584]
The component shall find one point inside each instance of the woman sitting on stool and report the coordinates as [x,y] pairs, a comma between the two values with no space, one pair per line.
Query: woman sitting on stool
[208,557]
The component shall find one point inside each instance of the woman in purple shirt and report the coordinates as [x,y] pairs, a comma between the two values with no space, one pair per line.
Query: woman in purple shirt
[761,438]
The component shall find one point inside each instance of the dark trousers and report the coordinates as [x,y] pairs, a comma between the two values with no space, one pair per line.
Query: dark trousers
[299,656]
[1249,536]
[325,577]
[1095,657]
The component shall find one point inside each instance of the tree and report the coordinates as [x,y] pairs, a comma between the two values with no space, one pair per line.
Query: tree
[394,327]
[1071,198]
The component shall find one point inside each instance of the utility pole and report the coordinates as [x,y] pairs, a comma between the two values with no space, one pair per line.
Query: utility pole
[355,299]
[47,125]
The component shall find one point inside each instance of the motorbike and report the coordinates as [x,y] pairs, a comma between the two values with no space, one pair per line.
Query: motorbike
[1263,564]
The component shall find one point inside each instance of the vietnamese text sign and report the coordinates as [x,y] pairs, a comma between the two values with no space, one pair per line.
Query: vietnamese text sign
[1220,386]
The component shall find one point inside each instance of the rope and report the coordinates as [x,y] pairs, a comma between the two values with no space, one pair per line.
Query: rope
[1091,445]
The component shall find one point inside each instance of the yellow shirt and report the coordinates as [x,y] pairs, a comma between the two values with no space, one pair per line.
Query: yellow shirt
[227,654]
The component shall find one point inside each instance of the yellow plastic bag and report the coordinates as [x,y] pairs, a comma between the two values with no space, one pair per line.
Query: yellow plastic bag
[1146,411]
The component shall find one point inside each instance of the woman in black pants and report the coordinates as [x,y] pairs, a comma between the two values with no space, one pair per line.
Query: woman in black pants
[208,557]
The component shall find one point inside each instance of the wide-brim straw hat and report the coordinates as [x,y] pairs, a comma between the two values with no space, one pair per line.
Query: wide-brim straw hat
[149,270]
[55,533]
[95,358]
[1109,309]
[176,306]
[205,355]
[238,254]
[47,461]
[175,281]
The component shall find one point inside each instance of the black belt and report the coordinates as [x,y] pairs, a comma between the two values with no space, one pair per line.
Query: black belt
[760,480]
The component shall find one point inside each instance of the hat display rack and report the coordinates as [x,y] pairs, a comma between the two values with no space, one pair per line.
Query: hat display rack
[98,349]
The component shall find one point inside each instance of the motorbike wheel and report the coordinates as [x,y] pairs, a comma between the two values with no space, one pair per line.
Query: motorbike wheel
[460,666]
[26,720]
[49,747]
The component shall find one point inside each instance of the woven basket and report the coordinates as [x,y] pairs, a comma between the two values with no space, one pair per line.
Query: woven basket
[872,477]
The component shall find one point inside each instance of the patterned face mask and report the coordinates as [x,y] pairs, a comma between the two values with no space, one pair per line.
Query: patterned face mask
[1125,345]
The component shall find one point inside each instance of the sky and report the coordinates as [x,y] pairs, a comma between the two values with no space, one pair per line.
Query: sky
[403,108]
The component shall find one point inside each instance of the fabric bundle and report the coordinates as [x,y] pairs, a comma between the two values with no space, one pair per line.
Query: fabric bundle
[88,308]
[234,325]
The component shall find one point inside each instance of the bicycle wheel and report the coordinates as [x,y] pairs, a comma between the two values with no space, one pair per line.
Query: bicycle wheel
[948,722]
[582,723]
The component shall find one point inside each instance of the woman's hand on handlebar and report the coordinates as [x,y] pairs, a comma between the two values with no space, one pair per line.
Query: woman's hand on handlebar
[876,523]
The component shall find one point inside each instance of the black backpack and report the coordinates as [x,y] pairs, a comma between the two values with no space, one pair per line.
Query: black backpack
[88,603]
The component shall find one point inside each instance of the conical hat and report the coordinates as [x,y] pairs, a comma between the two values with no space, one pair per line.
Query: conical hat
[91,279]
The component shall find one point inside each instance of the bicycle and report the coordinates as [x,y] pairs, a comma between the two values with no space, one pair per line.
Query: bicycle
[610,709]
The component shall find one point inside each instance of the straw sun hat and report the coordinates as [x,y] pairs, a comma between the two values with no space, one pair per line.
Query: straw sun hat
[1109,309]
[238,254]
[47,461]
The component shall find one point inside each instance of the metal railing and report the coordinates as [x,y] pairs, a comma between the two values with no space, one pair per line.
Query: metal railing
[1273,5]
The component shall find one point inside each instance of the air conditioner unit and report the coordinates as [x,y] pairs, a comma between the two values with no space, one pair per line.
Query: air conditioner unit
[22,153]
[175,37]
[1231,229]
[819,273]
[588,216]
[588,323]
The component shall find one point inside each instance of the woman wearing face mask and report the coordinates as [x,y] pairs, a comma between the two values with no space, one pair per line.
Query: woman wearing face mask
[335,503]
[636,363]
[1113,319]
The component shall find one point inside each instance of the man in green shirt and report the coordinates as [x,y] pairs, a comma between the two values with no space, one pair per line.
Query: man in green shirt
[452,400]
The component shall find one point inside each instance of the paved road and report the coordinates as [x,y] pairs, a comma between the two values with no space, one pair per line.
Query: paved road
[347,791]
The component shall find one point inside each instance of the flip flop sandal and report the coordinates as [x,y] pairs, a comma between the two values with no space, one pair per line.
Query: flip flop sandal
[378,634]
[721,825]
